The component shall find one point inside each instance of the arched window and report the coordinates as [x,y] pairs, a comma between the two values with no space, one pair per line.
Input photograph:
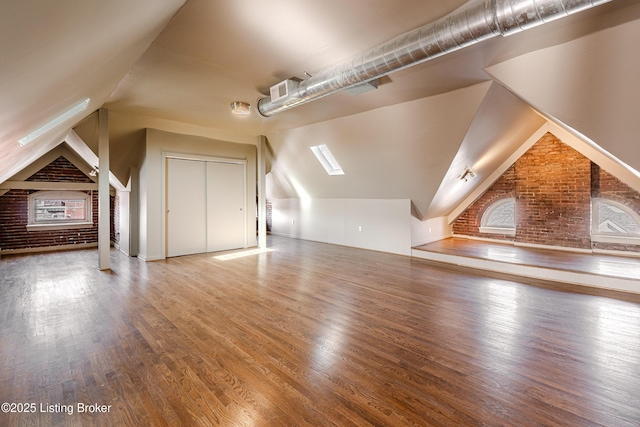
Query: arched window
[52,210]
[500,217]
[613,222]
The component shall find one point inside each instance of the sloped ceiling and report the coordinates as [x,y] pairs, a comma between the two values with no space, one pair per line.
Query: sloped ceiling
[175,65]
[55,54]
[501,124]
[397,152]
[591,84]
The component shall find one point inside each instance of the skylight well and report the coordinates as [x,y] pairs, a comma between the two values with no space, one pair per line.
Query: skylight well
[326,159]
[55,122]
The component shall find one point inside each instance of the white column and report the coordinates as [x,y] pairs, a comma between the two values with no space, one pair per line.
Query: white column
[124,210]
[134,218]
[262,188]
[104,237]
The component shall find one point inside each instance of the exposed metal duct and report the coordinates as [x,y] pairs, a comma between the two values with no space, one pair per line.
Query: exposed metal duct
[473,22]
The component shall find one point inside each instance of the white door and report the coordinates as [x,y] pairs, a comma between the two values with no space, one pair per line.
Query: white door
[186,207]
[225,206]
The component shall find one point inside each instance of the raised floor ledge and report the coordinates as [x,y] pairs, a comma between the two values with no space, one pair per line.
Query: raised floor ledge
[586,269]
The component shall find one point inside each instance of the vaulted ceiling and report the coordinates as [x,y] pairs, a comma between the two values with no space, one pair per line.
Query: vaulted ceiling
[176,65]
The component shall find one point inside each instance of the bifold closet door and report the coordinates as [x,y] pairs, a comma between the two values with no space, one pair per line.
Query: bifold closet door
[186,207]
[225,206]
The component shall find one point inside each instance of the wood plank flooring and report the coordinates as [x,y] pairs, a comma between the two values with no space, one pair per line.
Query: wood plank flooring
[600,264]
[307,334]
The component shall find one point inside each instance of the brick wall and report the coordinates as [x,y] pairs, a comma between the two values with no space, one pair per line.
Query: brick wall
[553,185]
[60,170]
[468,223]
[14,219]
[114,208]
[14,213]
[553,194]
[269,216]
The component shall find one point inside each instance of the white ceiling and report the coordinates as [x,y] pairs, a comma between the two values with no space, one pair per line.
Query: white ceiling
[176,65]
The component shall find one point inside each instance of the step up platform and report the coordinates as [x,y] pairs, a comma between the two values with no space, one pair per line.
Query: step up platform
[604,271]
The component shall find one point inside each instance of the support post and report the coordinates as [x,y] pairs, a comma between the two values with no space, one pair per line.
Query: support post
[134,219]
[262,188]
[104,208]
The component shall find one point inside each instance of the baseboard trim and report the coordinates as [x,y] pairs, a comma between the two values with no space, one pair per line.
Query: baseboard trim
[48,249]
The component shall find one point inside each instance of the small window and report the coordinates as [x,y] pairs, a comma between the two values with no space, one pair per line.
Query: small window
[500,218]
[50,210]
[613,222]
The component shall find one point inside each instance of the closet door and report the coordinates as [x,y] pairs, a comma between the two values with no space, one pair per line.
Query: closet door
[225,206]
[186,207]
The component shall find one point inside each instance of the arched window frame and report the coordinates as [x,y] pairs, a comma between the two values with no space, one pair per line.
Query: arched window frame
[484,228]
[612,237]
[35,224]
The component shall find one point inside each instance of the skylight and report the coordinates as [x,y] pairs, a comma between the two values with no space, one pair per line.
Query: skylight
[326,159]
[55,122]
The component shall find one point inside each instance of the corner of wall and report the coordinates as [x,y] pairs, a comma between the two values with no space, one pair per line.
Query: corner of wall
[430,230]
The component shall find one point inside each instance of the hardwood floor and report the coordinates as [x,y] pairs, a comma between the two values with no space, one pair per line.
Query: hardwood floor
[307,334]
[600,264]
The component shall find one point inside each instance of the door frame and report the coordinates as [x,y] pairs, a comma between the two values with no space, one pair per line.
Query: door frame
[185,156]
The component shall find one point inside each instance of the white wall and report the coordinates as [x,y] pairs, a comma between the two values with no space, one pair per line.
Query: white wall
[145,194]
[387,153]
[124,244]
[376,224]
[431,230]
[151,198]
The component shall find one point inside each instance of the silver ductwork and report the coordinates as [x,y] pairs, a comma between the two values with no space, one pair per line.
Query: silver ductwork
[473,22]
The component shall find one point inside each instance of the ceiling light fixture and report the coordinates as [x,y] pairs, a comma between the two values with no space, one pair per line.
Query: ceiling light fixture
[468,173]
[240,108]
[55,122]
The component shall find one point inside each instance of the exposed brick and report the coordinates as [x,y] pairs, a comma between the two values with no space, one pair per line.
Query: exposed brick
[60,170]
[14,213]
[553,185]
[469,222]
